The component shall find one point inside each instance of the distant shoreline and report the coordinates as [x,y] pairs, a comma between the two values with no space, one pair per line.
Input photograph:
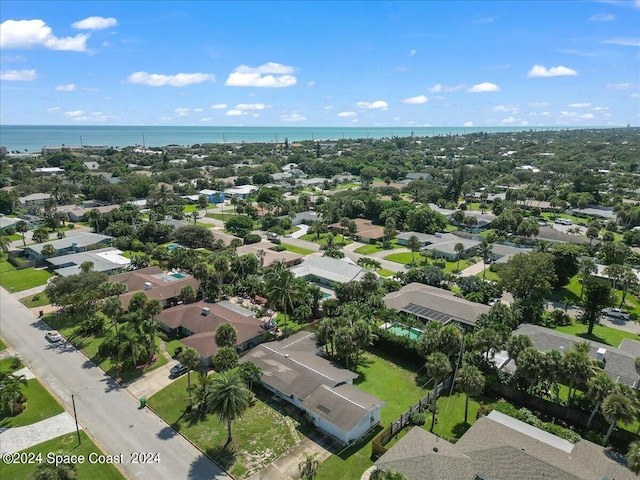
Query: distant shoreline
[32,138]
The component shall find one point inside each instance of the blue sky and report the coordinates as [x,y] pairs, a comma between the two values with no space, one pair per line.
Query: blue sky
[347,63]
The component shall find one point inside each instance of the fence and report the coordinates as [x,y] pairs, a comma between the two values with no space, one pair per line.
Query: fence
[378,443]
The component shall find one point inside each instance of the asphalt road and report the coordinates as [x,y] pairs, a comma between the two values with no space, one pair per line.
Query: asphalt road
[107,412]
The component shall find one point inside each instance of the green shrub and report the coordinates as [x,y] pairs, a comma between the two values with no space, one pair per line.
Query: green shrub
[279,248]
[418,418]
[251,238]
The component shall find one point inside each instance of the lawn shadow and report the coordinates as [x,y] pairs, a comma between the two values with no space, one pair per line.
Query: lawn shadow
[224,457]
[345,453]
[459,429]
[200,468]
[593,337]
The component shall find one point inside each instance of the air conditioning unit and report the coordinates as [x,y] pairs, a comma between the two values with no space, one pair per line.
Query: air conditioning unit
[147,285]
[206,311]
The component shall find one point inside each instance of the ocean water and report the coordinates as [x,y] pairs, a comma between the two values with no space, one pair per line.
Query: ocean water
[32,138]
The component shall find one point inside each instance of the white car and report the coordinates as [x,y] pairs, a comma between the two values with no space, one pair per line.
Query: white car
[616,312]
[53,336]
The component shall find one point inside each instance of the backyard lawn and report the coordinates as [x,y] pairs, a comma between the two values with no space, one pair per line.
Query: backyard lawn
[8,365]
[601,333]
[373,248]
[261,436]
[337,239]
[17,280]
[395,384]
[35,300]
[383,272]
[64,445]
[404,257]
[450,415]
[294,249]
[40,405]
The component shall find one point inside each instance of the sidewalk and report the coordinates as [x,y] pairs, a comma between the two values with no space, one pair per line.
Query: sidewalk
[18,438]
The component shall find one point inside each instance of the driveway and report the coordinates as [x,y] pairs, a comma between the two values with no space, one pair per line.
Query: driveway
[108,413]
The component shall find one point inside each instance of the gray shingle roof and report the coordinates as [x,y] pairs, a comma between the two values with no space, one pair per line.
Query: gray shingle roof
[328,268]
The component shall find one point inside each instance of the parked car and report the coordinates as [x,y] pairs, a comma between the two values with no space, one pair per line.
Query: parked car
[616,312]
[178,369]
[53,336]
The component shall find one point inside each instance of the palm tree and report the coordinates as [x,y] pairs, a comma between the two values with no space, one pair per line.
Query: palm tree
[458,248]
[530,366]
[587,268]
[386,475]
[22,227]
[598,388]
[56,471]
[187,294]
[628,280]
[577,367]
[308,468]
[250,372]
[112,308]
[633,457]
[202,391]
[283,291]
[152,308]
[437,367]
[413,244]
[344,225]
[190,358]
[11,389]
[617,406]
[4,243]
[471,383]
[86,267]
[40,235]
[132,341]
[229,399]
[261,254]
[95,217]
[486,251]
[48,250]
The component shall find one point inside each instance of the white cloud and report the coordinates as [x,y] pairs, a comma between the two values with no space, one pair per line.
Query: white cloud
[484,87]
[601,109]
[251,106]
[206,119]
[467,124]
[507,108]
[579,105]
[236,113]
[542,71]
[66,88]
[95,23]
[82,116]
[347,114]
[328,107]
[218,106]
[311,83]
[268,75]
[18,75]
[412,52]
[626,41]
[568,114]
[619,86]
[587,116]
[376,105]
[444,88]
[484,20]
[539,104]
[197,109]
[53,109]
[36,33]
[635,95]
[602,17]
[293,117]
[178,80]
[416,100]
[181,112]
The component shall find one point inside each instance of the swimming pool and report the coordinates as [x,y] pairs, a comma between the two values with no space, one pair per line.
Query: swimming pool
[178,275]
[172,246]
[402,331]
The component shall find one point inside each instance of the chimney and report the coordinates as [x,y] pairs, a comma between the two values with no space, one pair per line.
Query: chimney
[206,310]
[147,285]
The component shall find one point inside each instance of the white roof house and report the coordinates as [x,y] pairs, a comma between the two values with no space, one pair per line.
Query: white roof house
[328,270]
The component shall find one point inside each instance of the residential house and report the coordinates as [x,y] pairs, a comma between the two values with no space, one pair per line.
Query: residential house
[78,242]
[328,271]
[155,283]
[79,214]
[618,363]
[442,245]
[213,196]
[49,171]
[91,165]
[432,304]
[293,370]
[242,191]
[366,231]
[500,447]
[36,200]
[108,260]
[199,322]
[7,223]
[418,176]
[270,256]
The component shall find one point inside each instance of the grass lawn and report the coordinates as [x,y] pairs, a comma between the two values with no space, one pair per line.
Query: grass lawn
[602,334]
[89,345]
[373,248]
[17,280]
[450,415]
[36,300]
[383,272]
[40,405]
[6,365]
[450,228]
[337,239]
[262,435]
[404,258]
[392,382]
[570,292]
[2,345]
[294,249]
[173,344]
[489,275]
[451,267]
[64,445]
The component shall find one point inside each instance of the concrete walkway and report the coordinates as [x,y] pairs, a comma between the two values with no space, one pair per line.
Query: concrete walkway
[472,270]
[303,231]
[18,438]
[30,291]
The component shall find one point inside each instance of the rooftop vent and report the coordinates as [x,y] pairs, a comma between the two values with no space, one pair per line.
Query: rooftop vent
[435,449]
[147,285]
[601,354]
[206,310]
